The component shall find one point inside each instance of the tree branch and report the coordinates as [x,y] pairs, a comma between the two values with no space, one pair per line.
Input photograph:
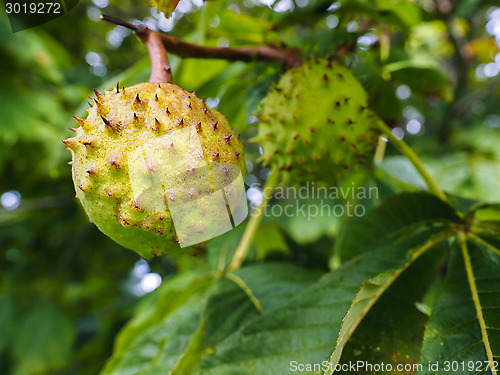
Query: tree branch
[120,22]
[289,57]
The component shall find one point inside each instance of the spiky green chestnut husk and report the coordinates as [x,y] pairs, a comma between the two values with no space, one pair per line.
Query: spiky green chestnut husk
[148,147]
[314,125]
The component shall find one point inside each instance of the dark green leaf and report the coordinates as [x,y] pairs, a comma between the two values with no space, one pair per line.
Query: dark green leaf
[369,294]
[305,328]
[398,318]
[157,338]
[454,331]
[251,291]
[398,216]
[269,239]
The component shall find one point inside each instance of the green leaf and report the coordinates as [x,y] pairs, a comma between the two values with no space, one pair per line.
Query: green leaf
[44,340]
[397,320]
[487,237]
[163,330]
[251,291]
[269,239]
[488,213]
[464,324]
[195,73]
[483,140]
[420,71]
[172,330]
[303,329]
[368,295]
[399,171]
[242,29]
[40,114]
[193,352]
[473,176]
[166,6]
[37,51]
[400,13]
[302,228]
[486,225]
[408,12]
[399,216]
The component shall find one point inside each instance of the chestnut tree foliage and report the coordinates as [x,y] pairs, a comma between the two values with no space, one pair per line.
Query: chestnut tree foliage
[414,280]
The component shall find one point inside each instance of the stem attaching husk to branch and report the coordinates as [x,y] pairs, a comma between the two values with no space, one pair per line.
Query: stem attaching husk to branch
[160,66]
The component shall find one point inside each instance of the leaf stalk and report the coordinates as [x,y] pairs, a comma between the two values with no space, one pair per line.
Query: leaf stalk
[411,155]
[253,224]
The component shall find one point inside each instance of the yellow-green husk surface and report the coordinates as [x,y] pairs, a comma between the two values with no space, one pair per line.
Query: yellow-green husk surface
[314,125]
[150,128]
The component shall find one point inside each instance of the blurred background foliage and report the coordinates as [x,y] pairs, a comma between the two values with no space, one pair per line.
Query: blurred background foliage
[431,68]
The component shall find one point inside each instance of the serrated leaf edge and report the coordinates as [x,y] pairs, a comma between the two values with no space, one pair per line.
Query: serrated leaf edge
[347,330]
